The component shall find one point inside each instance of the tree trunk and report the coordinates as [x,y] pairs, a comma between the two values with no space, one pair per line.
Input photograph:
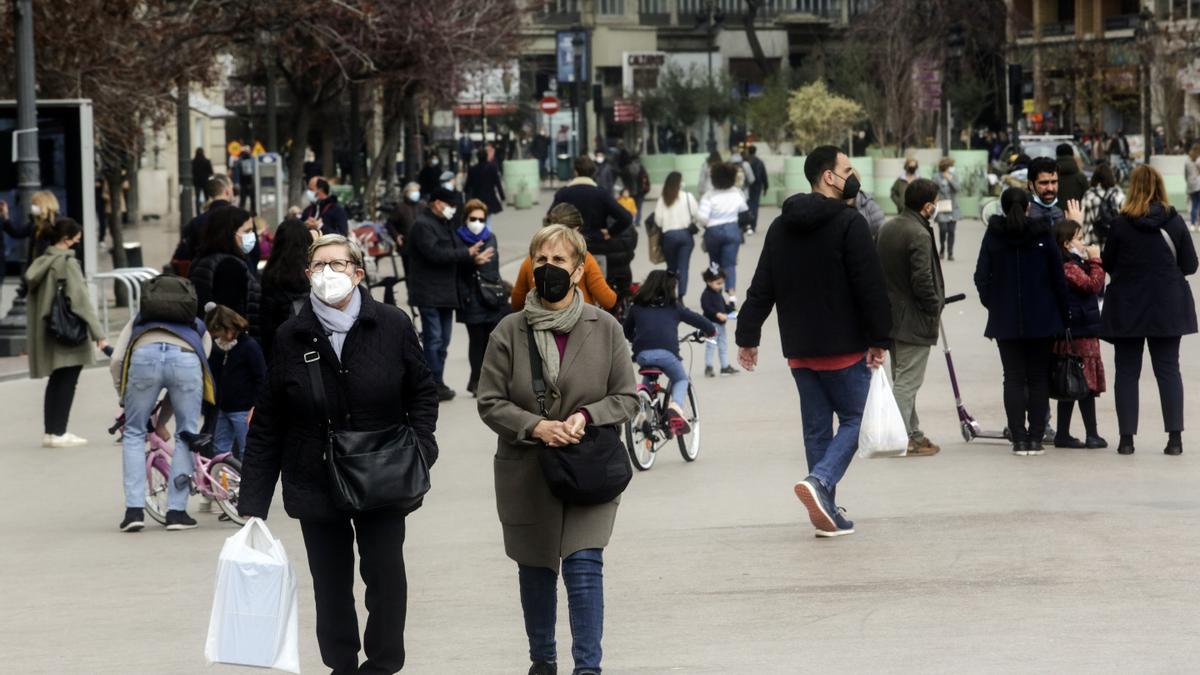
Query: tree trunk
[301,121]
[760,58]
[412,142]
[132,201]
[380,163]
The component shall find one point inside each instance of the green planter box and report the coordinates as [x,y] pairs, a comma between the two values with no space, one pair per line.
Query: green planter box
[521,176]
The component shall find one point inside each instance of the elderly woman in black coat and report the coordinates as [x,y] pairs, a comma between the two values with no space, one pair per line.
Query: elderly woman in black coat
[374,377]
[1020,280]
[1148,255]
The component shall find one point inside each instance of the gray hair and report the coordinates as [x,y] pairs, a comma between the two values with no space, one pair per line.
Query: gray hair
[356,252]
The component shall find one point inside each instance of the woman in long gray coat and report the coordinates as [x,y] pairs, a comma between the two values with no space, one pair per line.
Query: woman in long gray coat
[948,213]
[47,356]
[590,381]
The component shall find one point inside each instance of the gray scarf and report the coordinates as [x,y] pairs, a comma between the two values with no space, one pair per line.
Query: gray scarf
[337,322]
[545,323]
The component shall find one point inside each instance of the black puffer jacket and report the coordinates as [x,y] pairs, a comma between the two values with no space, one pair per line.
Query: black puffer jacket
[819,269]
[227,280]
[434,254]
[380,380]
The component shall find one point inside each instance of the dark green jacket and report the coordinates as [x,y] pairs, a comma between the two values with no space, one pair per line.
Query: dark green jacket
[898,189]
[913,274]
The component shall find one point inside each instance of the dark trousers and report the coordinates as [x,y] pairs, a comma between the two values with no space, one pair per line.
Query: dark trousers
[1087,410]
[60,394]
[946,234]
[1164,359]
[477,341]
[330,548]
[246,197]
[583,574]
[677,246]
[437,323]
[755,199]
[1026,366]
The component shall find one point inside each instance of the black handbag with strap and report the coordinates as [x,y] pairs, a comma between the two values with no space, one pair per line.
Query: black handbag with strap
[63,324]
[370,469]
[595,470]
[1067,379]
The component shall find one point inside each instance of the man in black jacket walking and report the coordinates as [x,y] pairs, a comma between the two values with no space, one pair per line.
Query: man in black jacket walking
[434,256]
[598,208]
[324,213]
[820,271]
[762,183]
[484,184]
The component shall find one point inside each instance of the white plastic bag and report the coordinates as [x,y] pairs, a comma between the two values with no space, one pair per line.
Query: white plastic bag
[882,433]
[254,619]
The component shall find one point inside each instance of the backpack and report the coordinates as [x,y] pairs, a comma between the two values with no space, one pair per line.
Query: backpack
[1108,213]
[168,298]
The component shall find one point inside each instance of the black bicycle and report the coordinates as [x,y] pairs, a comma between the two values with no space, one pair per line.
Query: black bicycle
[650,429]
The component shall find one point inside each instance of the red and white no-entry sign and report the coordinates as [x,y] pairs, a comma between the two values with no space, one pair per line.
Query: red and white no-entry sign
[549,105]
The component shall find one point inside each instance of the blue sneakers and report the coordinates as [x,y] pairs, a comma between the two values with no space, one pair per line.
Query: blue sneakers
[818,501]
[844,525]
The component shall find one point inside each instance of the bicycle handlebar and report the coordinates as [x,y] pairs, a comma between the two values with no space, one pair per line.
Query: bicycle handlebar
[696,336]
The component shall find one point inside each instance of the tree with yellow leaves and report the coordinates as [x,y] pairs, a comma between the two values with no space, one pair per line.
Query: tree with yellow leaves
[819,117]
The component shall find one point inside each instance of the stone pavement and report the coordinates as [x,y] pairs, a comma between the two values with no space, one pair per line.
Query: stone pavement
[970,561]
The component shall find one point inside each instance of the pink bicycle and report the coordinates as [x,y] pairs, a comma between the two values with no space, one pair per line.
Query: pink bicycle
[218,478]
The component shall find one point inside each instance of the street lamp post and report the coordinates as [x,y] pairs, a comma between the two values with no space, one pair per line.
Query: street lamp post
[183,130]
[1144,38]
[12,328]
[712,39]
[579,93]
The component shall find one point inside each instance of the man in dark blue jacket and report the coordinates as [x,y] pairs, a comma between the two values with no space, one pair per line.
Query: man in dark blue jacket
[324,213]
[833,337]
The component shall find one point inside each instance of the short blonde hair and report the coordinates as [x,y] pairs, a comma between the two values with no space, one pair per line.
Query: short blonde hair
[356,252]
[475,205]
[559,233]
[945,163]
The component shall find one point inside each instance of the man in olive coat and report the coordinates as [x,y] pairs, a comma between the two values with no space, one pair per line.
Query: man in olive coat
[916,290]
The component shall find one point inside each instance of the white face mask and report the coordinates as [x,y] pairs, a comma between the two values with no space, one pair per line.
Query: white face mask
[310,196]
[332,287]
[600,159]
[248,242]
[476,226]
[414,196]
[449,185]
[448,212]
[35,210]
[226,345]
[934,213]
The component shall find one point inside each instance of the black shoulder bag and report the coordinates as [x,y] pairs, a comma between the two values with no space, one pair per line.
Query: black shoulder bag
[594,471]
[370,469]
[61,322]
[1067,379]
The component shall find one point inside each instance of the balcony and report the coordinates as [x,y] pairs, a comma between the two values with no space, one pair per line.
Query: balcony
[1121,22]
[1058,29]
[654,13]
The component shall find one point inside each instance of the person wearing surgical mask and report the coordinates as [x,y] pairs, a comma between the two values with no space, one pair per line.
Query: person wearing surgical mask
[222,271]
[916,291]
[401,221]
[435,254]
[367,356]
[585,364]
[484,300]
[323,213]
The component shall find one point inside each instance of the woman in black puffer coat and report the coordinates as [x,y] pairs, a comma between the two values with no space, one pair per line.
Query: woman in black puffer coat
[1148,255]
[1020,280]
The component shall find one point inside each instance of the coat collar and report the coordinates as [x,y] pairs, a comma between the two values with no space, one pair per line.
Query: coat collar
[310,324]
[579,337]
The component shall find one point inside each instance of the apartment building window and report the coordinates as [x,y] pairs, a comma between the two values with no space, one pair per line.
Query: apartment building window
[612,7]
[653,7]
[560,6]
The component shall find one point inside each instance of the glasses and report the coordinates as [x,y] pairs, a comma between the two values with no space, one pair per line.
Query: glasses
[476,220]
[335,265]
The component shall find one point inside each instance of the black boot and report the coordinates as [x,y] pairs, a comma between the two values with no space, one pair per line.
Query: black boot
[1174,444]
[1125,447]
[544,668]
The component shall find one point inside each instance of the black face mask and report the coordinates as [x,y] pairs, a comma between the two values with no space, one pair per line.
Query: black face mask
[552,282]
[850,187]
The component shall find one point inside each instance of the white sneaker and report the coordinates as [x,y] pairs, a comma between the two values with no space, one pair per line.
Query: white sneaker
[73,440]
[66,441]
[46,440]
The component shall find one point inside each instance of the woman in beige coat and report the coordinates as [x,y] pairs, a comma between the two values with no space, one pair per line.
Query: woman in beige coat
[589,381]
[47,356]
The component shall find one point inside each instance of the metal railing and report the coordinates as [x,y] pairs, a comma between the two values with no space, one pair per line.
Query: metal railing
[131,279]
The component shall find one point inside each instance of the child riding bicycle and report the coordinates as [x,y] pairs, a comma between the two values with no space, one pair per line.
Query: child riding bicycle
[653,328]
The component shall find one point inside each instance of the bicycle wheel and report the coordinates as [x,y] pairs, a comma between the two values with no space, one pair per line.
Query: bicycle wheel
[226,482]
[689,443]
[157,485]
[639,435]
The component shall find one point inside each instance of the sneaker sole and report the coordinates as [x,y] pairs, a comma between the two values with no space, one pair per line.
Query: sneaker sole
[134,527]
[821,534]
[816,515]
[178,526]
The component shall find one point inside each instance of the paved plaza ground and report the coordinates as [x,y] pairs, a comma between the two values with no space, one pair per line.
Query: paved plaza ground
[972,561]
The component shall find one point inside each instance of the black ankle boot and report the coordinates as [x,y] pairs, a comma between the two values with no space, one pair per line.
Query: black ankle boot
[1174,444]
[543,668]
[1125,447]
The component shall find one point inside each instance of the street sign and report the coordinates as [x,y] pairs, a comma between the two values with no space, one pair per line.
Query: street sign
[1027,106]
[549,105]
[626,110]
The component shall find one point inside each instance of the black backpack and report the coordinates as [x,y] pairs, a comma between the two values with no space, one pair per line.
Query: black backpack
[170,299]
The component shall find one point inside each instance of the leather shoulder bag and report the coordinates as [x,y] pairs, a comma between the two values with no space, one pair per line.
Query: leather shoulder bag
[370,469]
[594,471]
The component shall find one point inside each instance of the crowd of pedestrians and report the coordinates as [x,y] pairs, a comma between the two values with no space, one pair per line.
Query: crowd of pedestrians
[276,362]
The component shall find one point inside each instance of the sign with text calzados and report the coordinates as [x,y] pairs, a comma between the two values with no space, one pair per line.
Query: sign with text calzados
[640,70]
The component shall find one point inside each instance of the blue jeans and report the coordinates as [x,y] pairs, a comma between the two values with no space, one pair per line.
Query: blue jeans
[1195,208]
[583,574]
[672,367]
[723,242]
[436,326]
[721,347]
[229,435]
[824,394]
[152,368]
[753,202]
[677,248]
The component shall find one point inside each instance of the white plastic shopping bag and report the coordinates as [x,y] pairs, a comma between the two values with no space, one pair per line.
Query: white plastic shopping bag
[254,619]
[882,433]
